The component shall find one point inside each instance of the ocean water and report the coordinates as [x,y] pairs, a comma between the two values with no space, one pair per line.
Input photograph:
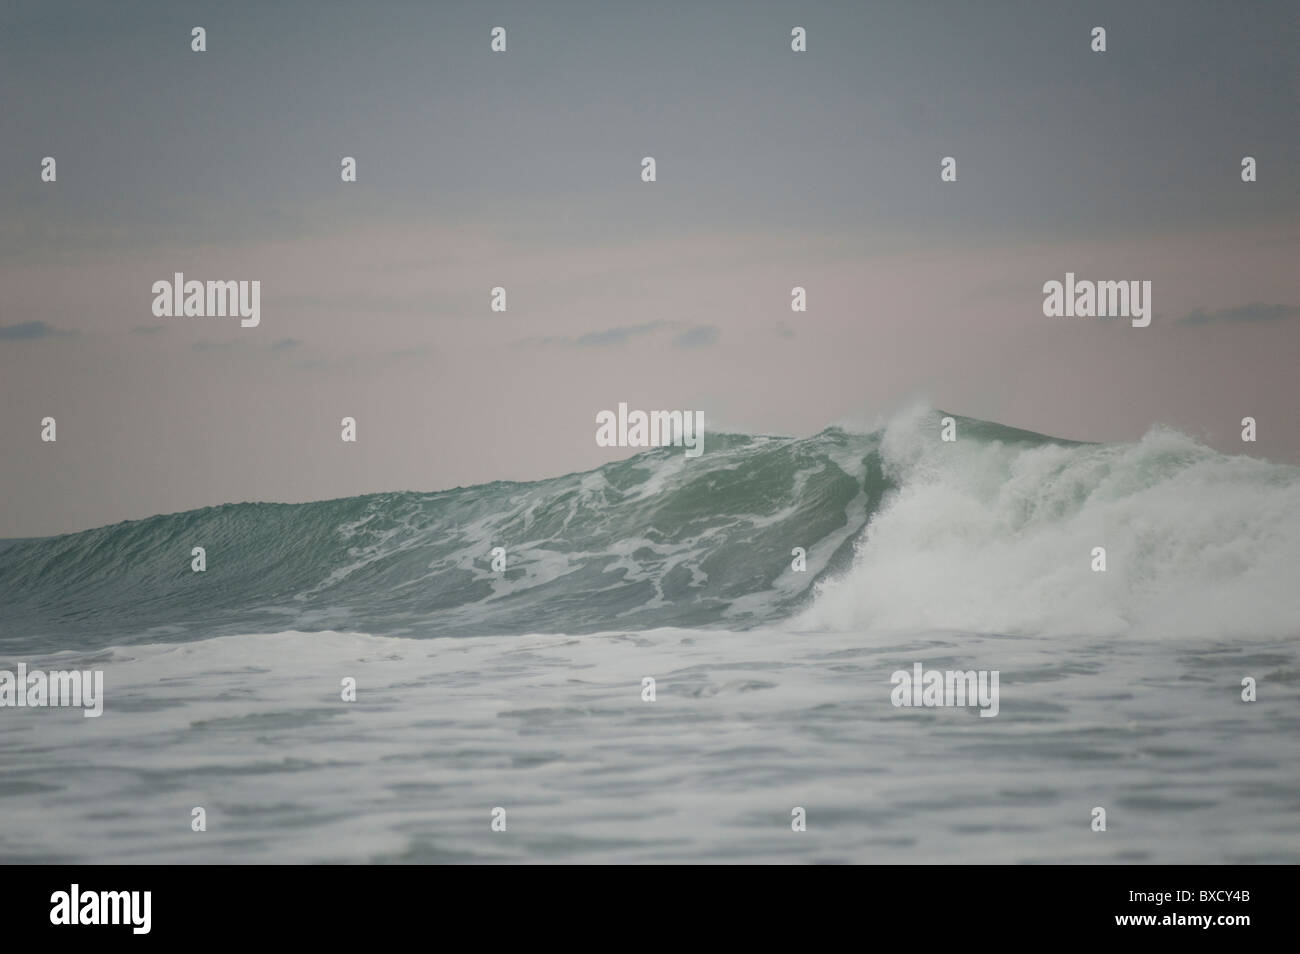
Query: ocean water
[523,690]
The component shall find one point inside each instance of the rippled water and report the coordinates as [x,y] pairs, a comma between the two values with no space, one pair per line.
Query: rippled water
[745,726]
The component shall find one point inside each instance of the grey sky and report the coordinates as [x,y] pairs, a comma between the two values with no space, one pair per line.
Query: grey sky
[522,170]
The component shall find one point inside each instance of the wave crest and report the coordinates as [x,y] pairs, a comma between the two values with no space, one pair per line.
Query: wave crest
[996,535]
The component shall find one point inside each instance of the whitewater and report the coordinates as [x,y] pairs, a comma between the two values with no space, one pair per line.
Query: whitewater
[476,689]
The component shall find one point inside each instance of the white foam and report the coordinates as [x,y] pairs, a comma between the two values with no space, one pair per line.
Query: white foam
[998,537]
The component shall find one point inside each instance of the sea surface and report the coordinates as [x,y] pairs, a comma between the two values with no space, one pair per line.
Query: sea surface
[522,689]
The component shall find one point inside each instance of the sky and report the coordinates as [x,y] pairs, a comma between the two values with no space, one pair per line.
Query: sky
[522,169]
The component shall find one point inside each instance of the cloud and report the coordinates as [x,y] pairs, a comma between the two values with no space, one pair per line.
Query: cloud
[1255,311]
[29,331]
[700,336]
[611,336]
[596,339]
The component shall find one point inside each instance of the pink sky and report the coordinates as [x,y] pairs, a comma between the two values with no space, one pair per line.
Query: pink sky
[392,326]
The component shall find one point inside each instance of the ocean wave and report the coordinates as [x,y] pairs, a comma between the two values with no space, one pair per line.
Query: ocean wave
[654,540]
[992,532]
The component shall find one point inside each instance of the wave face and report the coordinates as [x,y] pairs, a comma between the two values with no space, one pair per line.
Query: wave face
[992,533]
[654,540]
